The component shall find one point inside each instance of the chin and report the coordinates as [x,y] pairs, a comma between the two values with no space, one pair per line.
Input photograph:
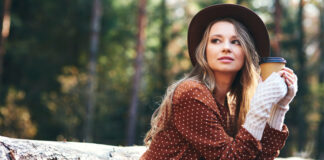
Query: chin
[230,71]
[225,69]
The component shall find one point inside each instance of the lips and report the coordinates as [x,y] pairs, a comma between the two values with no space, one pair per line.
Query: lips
[226,58]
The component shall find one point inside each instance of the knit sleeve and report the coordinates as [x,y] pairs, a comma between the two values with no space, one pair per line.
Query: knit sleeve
[197,118]
[272,142]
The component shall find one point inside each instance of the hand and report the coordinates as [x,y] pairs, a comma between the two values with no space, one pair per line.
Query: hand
[272,90]
[268,93]
[278,112]
[291,81]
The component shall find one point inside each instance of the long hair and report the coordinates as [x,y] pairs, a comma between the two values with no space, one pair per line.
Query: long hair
[238,95]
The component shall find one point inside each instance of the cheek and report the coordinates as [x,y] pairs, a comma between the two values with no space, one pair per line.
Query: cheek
[211,53]
[241,59]
[240,56]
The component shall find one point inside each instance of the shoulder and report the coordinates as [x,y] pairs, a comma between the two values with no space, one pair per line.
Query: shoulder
[191,89]
[190,84]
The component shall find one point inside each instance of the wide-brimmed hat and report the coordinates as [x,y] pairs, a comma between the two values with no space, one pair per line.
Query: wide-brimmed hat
[245,16]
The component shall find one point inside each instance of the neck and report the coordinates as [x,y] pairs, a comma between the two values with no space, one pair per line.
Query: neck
[223,85]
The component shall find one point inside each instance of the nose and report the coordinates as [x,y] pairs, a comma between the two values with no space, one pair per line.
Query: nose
[226,47]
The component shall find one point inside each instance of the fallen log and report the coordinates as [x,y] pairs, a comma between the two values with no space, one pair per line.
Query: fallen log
[23,149]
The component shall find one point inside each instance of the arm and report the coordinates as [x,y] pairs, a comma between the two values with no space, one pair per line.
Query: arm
[272,142]
[276,132]
[197,118]
[266,95]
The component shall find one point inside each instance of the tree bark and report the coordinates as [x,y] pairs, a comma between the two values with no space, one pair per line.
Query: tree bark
[321,40]
[138,72]
[162,81]
[319,149]
[4,33]
[302,81]
[94,42]
[23,149]
[277,31]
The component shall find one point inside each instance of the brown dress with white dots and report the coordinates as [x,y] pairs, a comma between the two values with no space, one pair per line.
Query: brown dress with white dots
[199,129]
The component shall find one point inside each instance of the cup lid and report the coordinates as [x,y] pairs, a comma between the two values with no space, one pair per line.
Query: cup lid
[273,60]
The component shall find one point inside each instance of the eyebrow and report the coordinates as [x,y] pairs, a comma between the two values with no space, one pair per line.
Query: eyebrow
[219,35]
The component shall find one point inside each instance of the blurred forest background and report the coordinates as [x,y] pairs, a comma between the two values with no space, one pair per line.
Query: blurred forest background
[95,70]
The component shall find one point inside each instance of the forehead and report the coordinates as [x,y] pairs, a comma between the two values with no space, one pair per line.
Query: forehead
[223,28]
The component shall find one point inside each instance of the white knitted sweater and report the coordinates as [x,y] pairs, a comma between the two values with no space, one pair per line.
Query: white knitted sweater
[267,94]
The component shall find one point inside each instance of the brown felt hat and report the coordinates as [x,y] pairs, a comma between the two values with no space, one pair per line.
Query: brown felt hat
[247,17]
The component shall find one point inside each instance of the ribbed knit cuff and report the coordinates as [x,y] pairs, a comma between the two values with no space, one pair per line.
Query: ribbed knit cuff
[255,130]
[277,116]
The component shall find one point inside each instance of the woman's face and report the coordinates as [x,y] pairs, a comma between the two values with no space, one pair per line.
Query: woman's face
[224,52]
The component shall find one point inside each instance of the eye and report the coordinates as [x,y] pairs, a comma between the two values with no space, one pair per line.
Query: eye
[215,40]
[237,42]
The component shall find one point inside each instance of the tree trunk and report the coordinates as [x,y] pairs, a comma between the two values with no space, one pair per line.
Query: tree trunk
[321,40]
[94,41]
[138,72]
[4,33]
[319,149]
[277,31]
[23,149]
[302,82]
[162,81]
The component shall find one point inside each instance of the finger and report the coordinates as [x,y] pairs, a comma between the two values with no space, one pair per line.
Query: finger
[281,73]
[291,79]
[288,82]
[288,78]
[295,77]
[288,70]
[284,73]
[287,73]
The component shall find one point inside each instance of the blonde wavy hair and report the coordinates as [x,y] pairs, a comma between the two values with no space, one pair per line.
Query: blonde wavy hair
[241,91]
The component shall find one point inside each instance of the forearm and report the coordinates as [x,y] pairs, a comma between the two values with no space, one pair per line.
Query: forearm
[267,93]
[204,131]
[199,121]
[272,142]
[255,122]
[277,116]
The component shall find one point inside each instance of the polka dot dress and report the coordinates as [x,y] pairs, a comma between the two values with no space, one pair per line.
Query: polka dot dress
[200,128]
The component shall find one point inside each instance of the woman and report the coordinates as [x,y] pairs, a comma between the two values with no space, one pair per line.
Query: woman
[222,110]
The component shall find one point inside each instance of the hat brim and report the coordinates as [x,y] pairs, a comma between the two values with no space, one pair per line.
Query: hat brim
[247,17]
